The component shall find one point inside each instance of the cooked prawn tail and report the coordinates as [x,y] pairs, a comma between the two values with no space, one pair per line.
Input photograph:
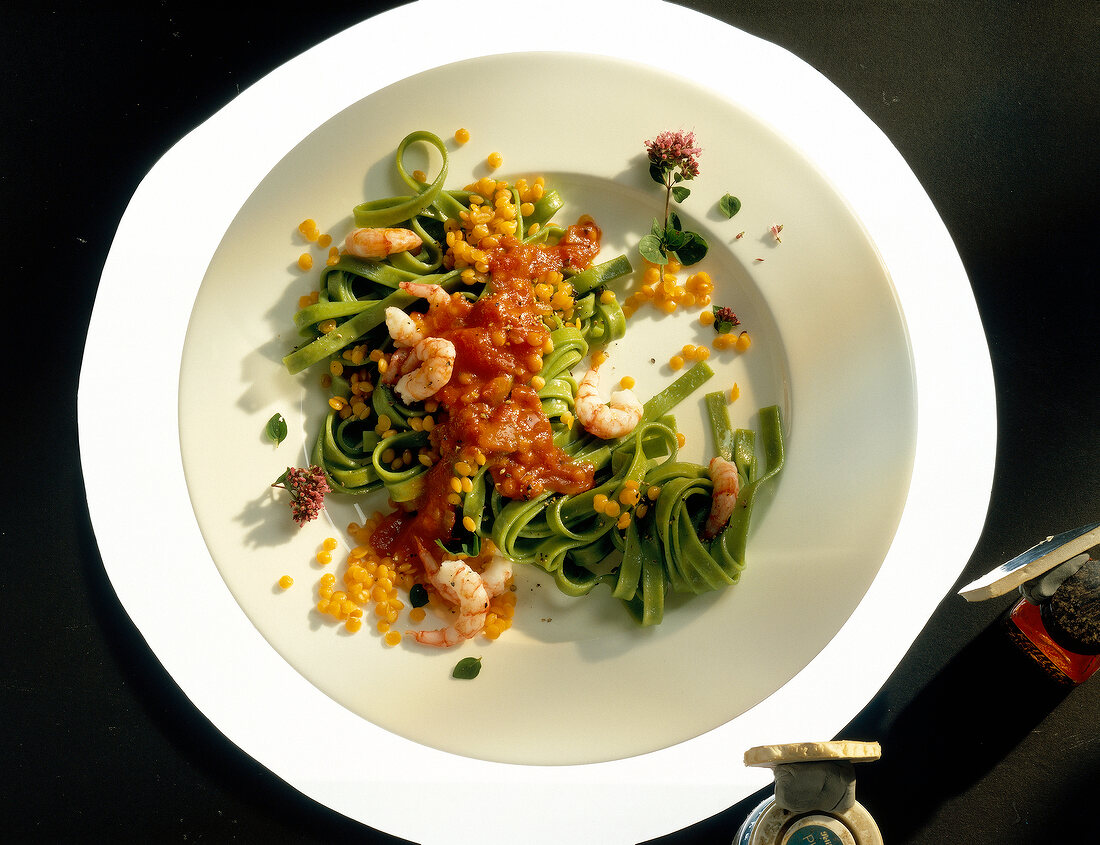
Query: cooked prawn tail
[402,328]
[440,638]
[497,575]
[463,587]
[437,359]
[727,486]
[375,244]
[435,294]
[616,419]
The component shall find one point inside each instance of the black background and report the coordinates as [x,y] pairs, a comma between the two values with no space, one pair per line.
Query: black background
[993,105]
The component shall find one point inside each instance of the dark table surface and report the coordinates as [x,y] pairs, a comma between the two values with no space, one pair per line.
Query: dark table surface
[993,105]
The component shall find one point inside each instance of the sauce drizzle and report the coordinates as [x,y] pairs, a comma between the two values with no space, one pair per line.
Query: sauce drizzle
[488,412]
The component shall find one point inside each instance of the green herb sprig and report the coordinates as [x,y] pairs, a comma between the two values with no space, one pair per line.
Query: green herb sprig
[673,159]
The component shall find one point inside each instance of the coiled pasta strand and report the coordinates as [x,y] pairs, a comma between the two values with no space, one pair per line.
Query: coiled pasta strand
[657,549]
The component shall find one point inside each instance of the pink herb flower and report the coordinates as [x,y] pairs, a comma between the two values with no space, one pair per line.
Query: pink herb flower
[775,230]
[672,150]
[307,488]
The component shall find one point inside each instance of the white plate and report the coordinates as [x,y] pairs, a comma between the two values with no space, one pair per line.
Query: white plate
[668,712]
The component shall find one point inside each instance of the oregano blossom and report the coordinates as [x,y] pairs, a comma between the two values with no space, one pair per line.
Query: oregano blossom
[673,158]
[672,151]
[307,488]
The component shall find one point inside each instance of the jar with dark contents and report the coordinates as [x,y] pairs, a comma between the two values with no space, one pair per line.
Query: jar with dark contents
[1056,622]
[1061,631]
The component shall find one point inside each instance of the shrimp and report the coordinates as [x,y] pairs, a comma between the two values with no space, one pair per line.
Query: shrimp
[437,360]
[615,419]
[727,484]
[464,587]
[497,574]
[403,328]
[401,361]
[436,295]
[380,243]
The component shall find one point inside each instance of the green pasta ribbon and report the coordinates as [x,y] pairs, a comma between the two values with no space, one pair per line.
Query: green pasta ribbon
[652,555]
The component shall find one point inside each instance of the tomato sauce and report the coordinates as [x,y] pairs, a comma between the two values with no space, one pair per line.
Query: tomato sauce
[488,412]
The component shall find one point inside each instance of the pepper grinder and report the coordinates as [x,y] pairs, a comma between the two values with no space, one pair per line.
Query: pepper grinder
[1056,621]
[815,796]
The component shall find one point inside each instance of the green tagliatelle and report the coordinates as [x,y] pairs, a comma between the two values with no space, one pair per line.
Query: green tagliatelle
[581,545]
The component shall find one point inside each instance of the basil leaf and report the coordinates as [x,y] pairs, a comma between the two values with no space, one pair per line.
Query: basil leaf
[652,249]
[694,250]
[729,205]
[276,429]
[418,595]
[680,194]
[467,668]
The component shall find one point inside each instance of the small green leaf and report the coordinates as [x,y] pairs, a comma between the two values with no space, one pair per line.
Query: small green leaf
[467,543]
[673,222]
[658,228]
[694,250]
[467,668]
[651,249]
[674,239]
[657,173]
[276,429]
[418,595]
[281,480]
[729,205]
[680,194]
